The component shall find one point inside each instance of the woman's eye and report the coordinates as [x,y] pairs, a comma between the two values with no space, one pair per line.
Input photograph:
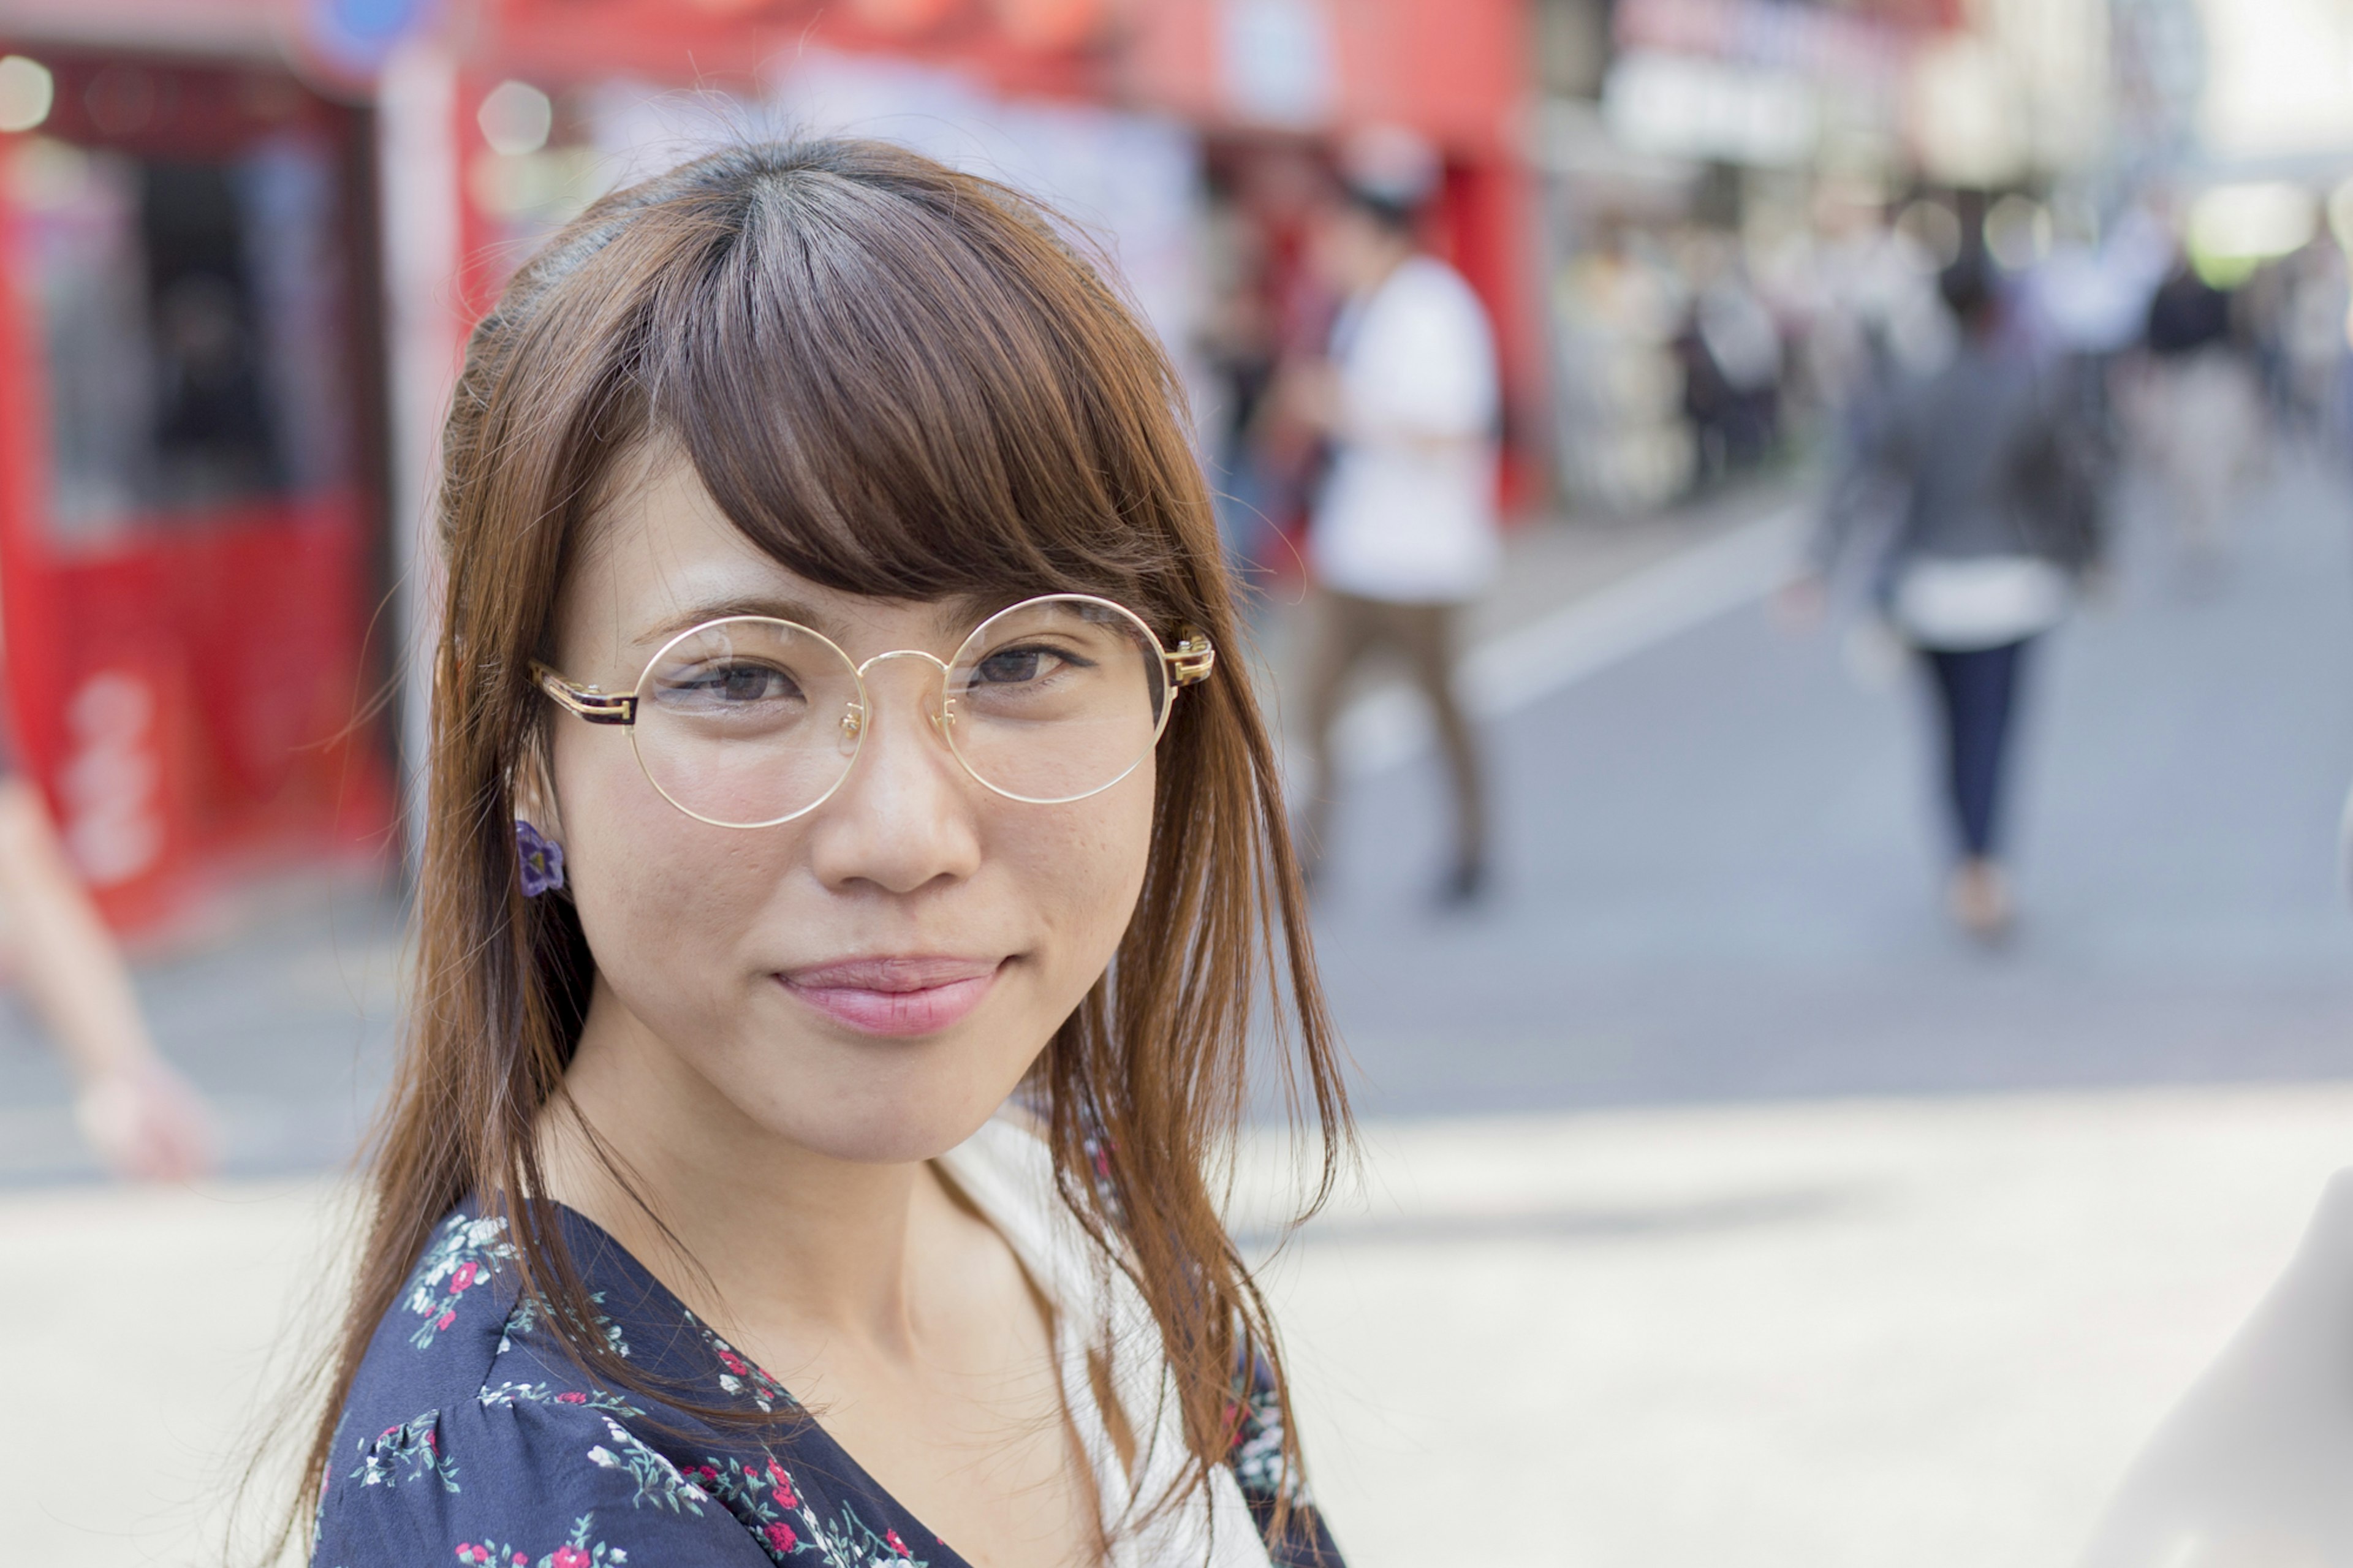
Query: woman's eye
[1020,666]
[742,683]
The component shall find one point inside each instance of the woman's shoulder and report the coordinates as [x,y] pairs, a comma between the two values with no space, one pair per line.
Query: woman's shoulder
[473,1432]
[450,1322]
[468,1433]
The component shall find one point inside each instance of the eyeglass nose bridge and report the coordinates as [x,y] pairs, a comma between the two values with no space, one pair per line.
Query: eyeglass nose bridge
[854,724]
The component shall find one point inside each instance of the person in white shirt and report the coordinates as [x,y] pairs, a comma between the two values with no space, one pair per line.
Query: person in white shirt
[1404,531]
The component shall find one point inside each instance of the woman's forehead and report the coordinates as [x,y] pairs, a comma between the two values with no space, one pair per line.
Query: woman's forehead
[665,558]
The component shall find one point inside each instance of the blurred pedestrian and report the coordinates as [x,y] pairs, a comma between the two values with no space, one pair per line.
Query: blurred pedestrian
[142,1118]
[1998,529]
[1730,349]
[2200,412]
[1403,533]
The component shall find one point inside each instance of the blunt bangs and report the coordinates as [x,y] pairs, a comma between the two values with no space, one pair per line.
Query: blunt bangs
[893,389]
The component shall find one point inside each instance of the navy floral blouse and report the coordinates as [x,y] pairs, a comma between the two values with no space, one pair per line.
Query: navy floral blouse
[470,1433]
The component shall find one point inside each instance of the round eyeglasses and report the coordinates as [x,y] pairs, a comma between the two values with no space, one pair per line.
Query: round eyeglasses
[750,722]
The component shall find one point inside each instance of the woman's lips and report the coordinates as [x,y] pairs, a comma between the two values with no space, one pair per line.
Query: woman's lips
[911,995]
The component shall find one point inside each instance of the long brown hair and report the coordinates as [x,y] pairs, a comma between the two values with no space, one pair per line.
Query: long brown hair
[897,380]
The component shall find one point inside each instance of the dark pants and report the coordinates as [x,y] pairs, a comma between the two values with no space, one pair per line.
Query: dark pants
[1976,693]
[1349,630]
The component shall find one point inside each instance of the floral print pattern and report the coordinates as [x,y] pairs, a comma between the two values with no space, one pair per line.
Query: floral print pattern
[497,1449]
[463,1253]
[763,1495]
[739,1377]
[657,1480]
[406,1453]
[526,1318]
[578,1551]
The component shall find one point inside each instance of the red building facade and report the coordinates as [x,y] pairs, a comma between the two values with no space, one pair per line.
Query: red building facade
[239,254]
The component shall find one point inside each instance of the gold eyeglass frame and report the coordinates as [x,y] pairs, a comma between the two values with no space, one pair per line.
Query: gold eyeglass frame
[1188,664]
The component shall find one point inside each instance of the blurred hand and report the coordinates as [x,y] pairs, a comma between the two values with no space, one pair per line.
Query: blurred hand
[1801,604]
[147,1122]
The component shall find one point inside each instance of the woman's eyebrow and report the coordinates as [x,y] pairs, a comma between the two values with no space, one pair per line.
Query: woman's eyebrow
[766,606]
[954,616]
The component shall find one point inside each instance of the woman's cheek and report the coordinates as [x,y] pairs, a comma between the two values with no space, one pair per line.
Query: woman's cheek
[1086,869]
[664,901]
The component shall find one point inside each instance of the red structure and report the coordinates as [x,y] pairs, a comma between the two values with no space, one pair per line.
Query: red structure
[188,478]
[221,366]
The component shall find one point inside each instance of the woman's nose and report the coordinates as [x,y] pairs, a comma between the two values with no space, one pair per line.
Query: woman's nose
[904,816]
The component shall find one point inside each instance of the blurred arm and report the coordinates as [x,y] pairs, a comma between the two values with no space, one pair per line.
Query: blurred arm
[144,1118]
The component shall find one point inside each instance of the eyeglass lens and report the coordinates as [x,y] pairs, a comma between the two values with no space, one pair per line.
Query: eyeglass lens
[1056,698]
[747,721]
[750,722]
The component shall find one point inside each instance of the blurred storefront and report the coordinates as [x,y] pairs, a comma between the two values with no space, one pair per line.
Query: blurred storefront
[1190,135]
[244,239]
[189,470]
[1722,180]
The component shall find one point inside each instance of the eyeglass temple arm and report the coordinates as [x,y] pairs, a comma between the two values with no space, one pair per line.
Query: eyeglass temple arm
[1193,659]
[595,707]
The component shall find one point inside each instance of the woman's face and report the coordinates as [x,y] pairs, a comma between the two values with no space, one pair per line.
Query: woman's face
[868,981]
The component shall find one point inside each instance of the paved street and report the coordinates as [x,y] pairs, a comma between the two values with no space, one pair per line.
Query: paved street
[1720,867]
[1719,1206]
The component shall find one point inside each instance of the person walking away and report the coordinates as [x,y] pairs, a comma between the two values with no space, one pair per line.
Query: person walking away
[2201,416]
[1403,533]
[1998,528]
[135,1111]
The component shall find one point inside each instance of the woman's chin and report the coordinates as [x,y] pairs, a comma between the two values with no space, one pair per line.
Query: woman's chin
[902,1130]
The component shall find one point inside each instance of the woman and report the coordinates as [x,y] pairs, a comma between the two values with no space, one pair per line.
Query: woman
[1999,527]
[849,890]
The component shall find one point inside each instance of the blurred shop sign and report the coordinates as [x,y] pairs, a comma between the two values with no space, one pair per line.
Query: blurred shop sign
[1687,106]
[1051,24]
[1969,124]
[111,783]
[2253,221]
[1813,41]
[213,27]
[1041,25]
[1570,140]
[894,16]
[1276,60]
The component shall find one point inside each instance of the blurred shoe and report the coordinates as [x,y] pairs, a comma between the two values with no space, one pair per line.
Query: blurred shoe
[1979,900]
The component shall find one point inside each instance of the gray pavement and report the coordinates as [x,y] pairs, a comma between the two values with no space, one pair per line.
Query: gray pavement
[1721,860]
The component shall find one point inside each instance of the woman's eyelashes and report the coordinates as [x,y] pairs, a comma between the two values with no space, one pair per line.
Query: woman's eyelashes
[737,683]
[1016,666]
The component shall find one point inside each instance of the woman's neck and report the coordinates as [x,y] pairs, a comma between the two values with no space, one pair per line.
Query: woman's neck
[745,1226]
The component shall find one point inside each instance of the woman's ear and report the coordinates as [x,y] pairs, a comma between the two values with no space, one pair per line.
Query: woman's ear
[532,794]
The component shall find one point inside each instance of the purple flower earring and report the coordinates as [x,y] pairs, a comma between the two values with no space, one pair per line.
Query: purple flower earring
[543,860]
